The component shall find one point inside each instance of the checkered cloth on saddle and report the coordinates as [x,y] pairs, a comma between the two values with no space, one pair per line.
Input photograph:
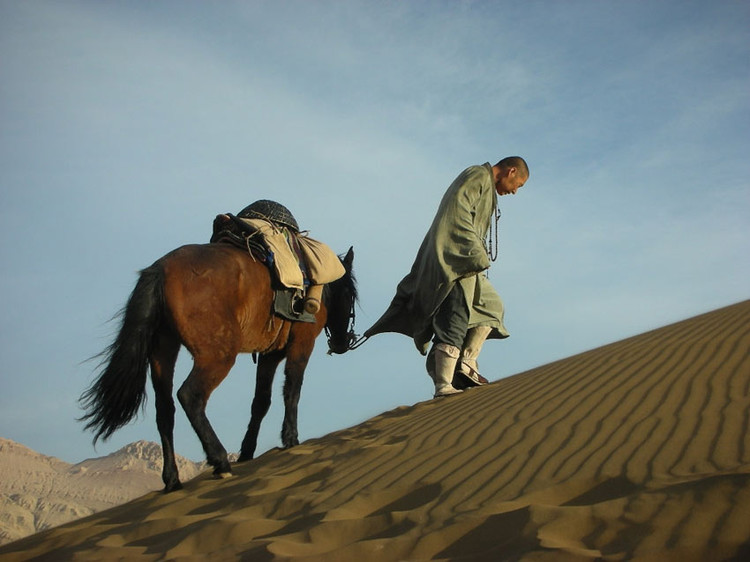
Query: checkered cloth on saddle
[231,229]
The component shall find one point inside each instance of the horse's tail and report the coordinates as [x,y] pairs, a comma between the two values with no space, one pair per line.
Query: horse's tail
[119,391]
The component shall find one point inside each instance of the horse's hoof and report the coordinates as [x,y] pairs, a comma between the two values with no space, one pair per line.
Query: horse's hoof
[289,442]
[244,458]
[222,475]
[221,467]
[173,486]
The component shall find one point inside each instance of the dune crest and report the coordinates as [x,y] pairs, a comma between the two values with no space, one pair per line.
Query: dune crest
[638,450]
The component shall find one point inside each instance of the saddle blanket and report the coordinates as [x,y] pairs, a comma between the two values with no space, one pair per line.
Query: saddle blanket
[321,263]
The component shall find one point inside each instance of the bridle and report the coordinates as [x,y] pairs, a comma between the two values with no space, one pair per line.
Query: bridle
[353,340]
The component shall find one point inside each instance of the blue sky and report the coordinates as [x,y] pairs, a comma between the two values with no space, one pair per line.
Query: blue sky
[127,126]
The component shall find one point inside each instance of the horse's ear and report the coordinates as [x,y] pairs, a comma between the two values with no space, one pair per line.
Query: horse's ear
[349,258]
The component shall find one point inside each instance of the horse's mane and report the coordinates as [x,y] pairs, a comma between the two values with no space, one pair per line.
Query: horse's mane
[349,280]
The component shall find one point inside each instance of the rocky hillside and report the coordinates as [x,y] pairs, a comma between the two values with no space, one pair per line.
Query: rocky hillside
[38,492]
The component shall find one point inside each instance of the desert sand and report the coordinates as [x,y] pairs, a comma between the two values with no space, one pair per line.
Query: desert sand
[638,450]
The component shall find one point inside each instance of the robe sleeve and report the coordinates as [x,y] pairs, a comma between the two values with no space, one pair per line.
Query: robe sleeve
[461,247]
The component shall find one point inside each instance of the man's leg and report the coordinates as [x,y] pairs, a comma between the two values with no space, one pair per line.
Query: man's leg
[467,372]
[441,366]
[450,324]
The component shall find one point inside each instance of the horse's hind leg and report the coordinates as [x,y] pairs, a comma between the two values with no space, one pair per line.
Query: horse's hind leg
[193,396]
[265,372]
[163,359]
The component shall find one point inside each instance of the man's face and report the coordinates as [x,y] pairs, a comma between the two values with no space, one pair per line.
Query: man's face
[509,181]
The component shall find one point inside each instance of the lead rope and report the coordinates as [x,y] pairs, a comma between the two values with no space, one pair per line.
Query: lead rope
[359,341]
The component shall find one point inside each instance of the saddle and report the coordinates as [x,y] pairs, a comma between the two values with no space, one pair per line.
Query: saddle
[299,265]
[229,229]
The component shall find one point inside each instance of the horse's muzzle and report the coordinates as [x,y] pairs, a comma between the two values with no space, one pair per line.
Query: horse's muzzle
[341,347]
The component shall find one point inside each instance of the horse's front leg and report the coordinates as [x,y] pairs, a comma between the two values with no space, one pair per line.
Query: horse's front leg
[265,372]
[296,363]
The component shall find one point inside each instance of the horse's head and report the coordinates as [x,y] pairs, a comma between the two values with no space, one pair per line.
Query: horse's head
[341,299]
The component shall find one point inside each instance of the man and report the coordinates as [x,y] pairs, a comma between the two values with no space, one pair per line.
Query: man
[447,297]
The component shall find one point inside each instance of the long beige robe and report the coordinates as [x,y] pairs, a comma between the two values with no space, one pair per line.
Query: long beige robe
[452,252]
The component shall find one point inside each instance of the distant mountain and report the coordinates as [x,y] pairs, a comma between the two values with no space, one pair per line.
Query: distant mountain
[38,492]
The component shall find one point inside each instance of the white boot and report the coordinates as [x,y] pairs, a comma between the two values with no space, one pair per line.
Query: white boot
[441,366]
[468,368]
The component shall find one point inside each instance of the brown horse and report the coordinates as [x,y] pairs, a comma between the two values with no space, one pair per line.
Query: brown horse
[216,301]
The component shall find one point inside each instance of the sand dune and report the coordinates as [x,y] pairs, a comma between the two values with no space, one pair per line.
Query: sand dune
[638,450]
